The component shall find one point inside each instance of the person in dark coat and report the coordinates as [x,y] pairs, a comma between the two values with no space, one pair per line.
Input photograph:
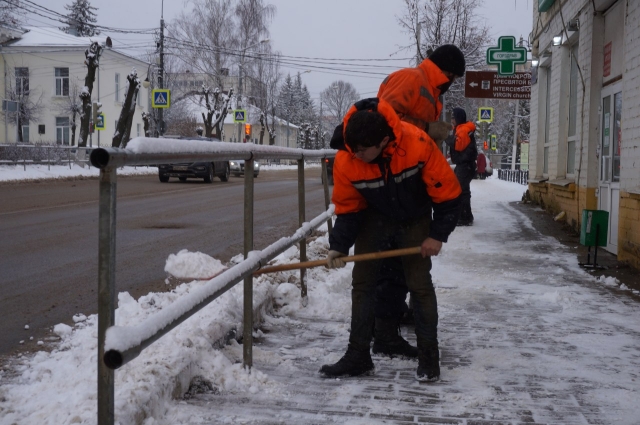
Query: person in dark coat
[463,151]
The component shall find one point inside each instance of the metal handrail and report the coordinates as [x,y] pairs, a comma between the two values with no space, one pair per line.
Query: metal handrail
[118,354]
[148,151]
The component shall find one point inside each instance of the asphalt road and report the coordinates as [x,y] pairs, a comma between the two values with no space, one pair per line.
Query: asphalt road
[48,248]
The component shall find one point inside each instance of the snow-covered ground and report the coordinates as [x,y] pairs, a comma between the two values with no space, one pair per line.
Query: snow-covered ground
[44,172]
[499,277]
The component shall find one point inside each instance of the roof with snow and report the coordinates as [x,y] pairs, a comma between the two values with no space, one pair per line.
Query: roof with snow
[38,36]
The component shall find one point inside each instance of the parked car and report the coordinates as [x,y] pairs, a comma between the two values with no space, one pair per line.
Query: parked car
[195,170]
[237,167]
[329,162]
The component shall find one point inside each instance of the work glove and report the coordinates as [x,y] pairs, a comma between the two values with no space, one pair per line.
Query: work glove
[439,130]
[334,261]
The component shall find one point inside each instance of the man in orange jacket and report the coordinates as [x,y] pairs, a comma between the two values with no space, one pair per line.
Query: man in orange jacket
[464,152]
[414,93]
[387,182]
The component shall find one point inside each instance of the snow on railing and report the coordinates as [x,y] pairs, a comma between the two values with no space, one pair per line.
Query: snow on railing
[118,345]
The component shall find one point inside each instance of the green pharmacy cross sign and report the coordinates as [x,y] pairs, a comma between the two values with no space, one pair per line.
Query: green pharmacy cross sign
[506,55]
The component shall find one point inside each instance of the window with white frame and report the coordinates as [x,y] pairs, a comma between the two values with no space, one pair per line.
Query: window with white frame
[547,121]
[117,87]
[22,81]
[62,130]
[573,112]
[62,81]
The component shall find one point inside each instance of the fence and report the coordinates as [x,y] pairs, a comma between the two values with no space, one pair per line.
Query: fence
[517,176]
[118,345]
[13,154]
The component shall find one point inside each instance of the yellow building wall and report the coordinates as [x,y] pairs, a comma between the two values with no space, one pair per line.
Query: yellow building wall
[570,199]
[629,229]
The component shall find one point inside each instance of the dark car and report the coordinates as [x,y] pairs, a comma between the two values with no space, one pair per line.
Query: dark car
[195,170]
[329,162]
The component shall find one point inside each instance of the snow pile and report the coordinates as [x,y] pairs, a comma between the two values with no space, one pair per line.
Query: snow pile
[194,265]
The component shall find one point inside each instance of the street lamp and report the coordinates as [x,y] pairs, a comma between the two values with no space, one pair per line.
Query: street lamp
[240,68]
[289,108]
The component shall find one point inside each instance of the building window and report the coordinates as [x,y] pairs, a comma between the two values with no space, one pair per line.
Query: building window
[117,87]
[62,130]
[547,122]
[62,81]
[22,81]
[25,133]
[138,127]
[573,111]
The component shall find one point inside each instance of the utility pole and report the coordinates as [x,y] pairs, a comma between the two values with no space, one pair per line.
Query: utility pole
[239,103]
[418,55]
[161,70]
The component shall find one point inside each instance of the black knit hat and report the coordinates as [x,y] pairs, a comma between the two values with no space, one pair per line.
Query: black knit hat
[459,115]
[449,58]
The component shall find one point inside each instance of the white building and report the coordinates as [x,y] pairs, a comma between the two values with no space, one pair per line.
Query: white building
[585,114]
[49,65]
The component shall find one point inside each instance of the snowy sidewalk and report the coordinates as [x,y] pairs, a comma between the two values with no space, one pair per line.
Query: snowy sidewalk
[526,336]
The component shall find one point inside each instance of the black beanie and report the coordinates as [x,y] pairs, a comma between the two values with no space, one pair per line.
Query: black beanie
[449,58]
[459,115]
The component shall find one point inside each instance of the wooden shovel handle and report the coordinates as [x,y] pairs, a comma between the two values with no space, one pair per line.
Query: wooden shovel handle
[359,257]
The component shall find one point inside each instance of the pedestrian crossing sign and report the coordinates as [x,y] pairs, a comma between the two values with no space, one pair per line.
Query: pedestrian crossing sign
[485,114]
[239,115]
[161,98]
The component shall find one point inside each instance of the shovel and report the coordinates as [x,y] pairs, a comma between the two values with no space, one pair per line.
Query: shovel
[359,257]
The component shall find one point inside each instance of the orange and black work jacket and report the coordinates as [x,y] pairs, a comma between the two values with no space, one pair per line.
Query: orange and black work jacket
[463,147]
[409,179]
[413,93]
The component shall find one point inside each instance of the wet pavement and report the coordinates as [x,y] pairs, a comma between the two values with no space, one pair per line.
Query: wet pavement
[526,337]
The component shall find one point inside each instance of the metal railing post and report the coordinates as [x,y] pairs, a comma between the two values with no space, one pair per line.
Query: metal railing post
[69,157]
[106,288]
[325,181]
[247,329]
[301,219]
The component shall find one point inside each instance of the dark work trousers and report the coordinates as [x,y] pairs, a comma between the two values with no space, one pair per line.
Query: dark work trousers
[465,172]
[391,290]
[376,233]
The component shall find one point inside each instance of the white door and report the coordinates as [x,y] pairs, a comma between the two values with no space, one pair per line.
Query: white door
[609,181]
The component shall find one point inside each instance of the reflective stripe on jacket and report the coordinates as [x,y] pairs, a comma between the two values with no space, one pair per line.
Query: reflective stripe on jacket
[413,93]
[409,179]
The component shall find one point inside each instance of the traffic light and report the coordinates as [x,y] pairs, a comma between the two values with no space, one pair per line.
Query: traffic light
[94,112]
[247,130]
[486,145]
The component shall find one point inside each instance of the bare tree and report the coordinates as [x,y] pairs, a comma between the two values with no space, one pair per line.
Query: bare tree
[92,60]
[338,98]
[12,13]
[447,22]
[71,105]
[30,105]
[217,105]
[201,37]
[123,131]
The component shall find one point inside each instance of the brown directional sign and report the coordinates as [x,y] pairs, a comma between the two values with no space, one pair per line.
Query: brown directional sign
[491,85]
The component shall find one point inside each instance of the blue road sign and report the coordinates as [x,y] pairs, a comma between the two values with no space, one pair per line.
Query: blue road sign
[239,115]
[161,98]
[485,114]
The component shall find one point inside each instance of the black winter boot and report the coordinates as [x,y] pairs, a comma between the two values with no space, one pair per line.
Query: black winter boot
[428,364]
[353,363]
[387,340]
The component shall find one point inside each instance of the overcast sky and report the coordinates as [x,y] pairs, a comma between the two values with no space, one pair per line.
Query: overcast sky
[331,29]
